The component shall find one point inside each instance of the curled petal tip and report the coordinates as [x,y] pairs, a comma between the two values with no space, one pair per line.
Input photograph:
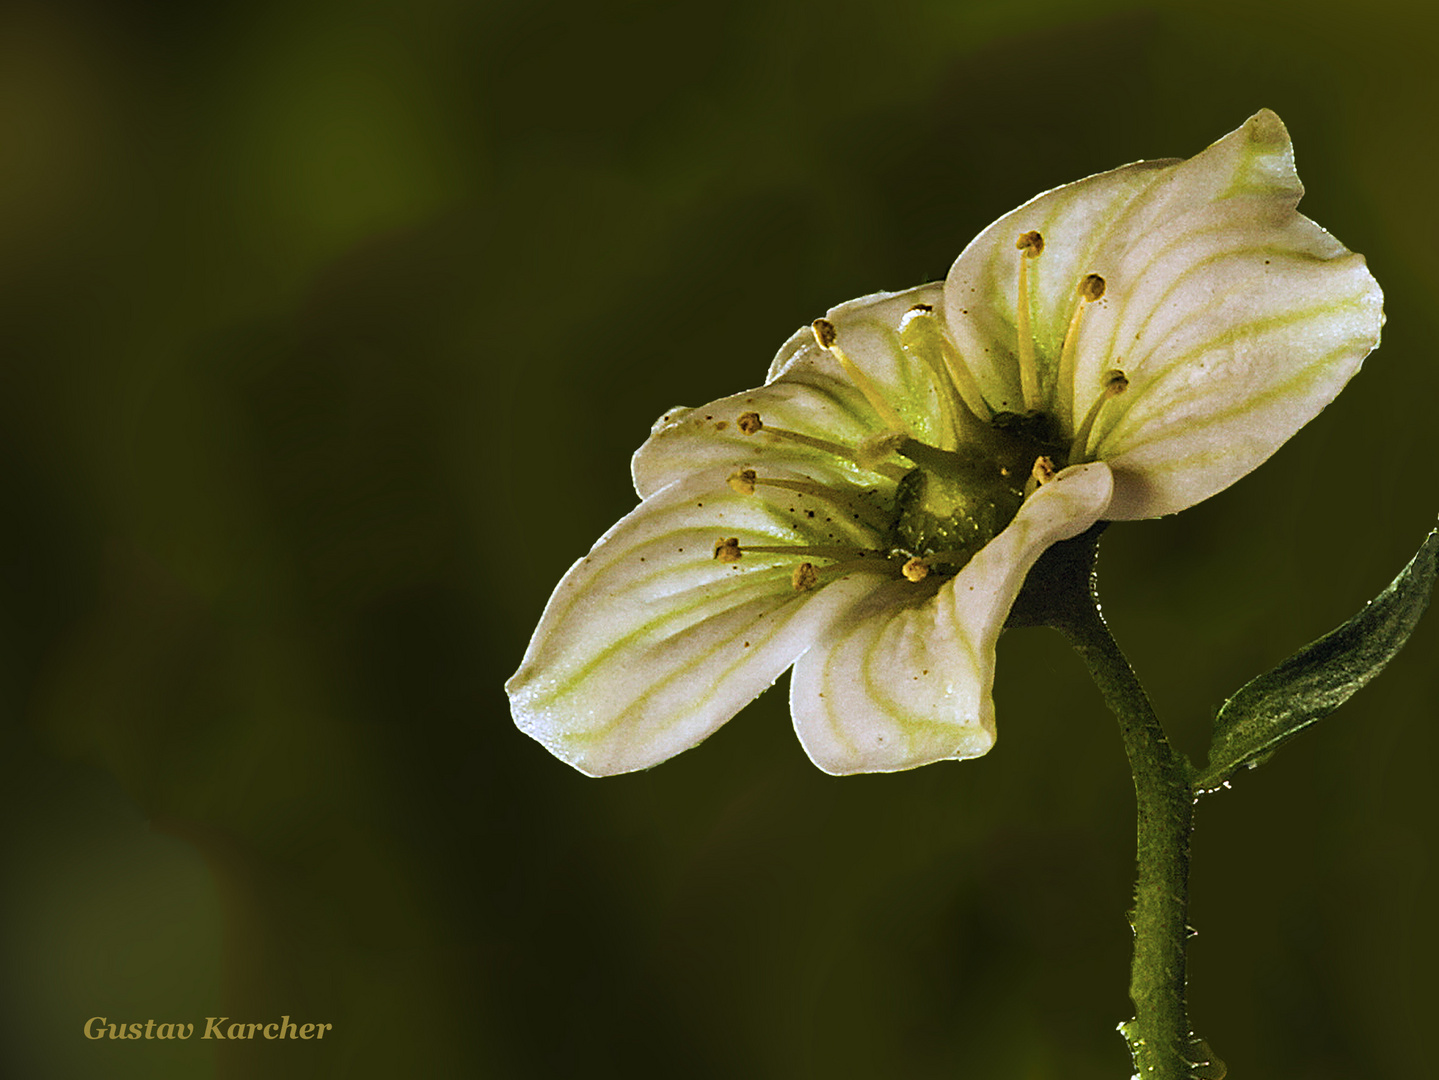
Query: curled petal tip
[1265,128]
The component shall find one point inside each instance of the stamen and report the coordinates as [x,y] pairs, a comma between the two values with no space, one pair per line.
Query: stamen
[917,340]
[1044,470]
[807,575]
[920,332]
[1114,384]
[824,336]
[935,459]
[915,570]
[1090,290]
[1029,245]
[845,566]
[742,481]
[844,453]
[750,423]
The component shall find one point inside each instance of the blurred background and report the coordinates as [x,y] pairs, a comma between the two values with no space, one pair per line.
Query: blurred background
[327,330]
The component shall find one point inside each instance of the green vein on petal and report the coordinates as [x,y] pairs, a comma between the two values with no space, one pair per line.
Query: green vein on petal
[905,678]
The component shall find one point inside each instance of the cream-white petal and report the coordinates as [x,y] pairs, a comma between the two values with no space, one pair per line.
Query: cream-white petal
[687,441]
[1268,334]
[980,293]
[904,677]
[808,391]
[1234,318]
[649,643]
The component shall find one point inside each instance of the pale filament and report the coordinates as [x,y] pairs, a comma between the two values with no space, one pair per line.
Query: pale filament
[1115,384]
[806,575]
[824,445]
[844,453]
[965,384]
[846,566]
[1090,290]
[825,336]
[1029,245]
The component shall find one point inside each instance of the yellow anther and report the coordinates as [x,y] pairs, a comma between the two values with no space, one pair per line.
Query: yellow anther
[749,423]
[728,550]
[826,337]
[1092,287]
[916,569]
[1030,245]
[805,577]
[1044,470]
[742,481]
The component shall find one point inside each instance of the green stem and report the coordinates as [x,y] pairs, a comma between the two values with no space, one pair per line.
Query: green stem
[1159,1036]
[1059,592]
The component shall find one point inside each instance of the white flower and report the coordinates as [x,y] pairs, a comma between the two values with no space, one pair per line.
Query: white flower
[1121,347]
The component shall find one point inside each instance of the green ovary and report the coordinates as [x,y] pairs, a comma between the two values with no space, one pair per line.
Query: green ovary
[969,486]
[952,516]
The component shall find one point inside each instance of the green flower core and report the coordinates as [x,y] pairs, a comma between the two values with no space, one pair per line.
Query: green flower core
[956,501]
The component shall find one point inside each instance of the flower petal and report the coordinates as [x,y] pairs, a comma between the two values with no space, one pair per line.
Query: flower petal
[806,391]
[687,441]
[1236,321]
[980,293]
[904,677]
[1235,318]
[650,643]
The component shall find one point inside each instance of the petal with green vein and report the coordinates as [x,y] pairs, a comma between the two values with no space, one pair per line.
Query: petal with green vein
[904,678]
[1213,394]
[980,293]
[649,643]
[687,441]
[807,391]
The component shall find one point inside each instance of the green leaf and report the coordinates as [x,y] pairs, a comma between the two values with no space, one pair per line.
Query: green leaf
[1321,676]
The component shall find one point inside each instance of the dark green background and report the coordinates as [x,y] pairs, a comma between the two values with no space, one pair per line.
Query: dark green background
[327,330]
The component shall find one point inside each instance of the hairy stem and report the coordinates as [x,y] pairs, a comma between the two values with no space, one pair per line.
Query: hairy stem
[1159,1035]
[1060,592]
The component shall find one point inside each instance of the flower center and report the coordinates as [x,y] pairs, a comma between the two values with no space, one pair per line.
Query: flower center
[954,502]
[1058,399]
[955,497]
[957,500]
[944,521]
